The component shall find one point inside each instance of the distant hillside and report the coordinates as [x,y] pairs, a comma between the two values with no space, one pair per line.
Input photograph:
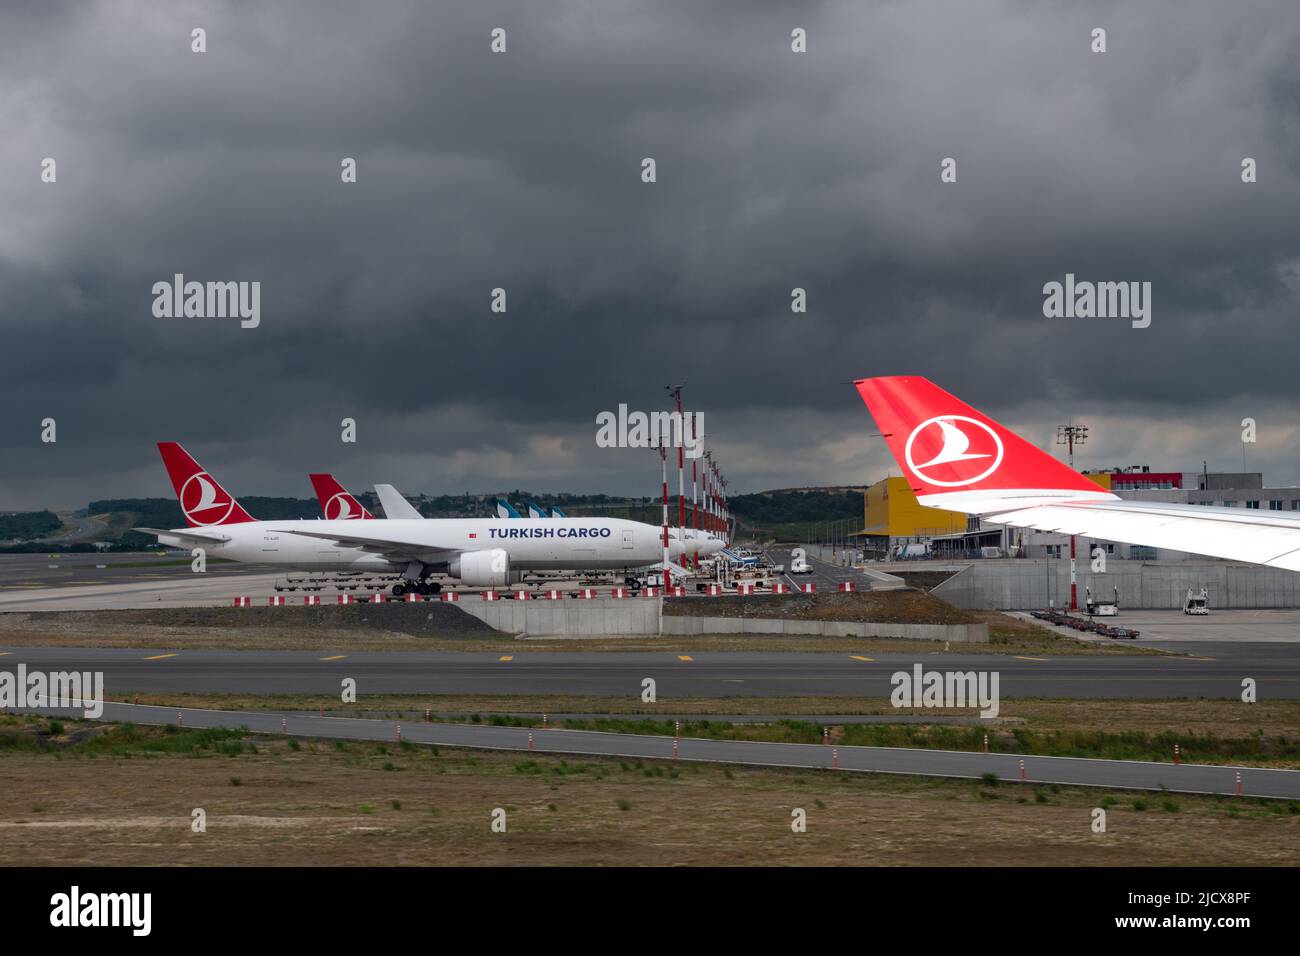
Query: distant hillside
[25,525]
[782,513]
[795,507]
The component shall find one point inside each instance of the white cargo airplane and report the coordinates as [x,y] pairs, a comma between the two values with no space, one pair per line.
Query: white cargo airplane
[337,503]
[959,459]
[480,552]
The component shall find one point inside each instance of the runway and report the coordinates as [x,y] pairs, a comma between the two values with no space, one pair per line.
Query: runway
[1119,774]
[92,582]
[1274,667]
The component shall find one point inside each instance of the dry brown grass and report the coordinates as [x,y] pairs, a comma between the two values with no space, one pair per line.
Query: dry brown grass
[322,805]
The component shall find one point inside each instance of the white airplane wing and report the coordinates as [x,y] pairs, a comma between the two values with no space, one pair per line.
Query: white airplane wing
[195,534]
[393,547]
[395,506]
[956,458]
[1261,537]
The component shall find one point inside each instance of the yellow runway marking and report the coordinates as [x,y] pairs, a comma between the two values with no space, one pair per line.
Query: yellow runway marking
[684,657]
[336,657]
[1019,658]
[855,657]
[159,657]
[508,657]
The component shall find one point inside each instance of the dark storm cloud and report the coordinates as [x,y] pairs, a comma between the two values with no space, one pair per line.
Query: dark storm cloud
[522,171]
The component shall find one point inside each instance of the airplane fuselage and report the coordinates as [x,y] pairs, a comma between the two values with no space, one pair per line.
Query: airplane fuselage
[554,544]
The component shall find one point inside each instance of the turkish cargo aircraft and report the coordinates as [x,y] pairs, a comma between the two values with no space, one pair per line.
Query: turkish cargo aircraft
[481,552]
[959,459]
[336,502]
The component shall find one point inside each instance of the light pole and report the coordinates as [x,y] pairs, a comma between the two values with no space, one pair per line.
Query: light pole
[1071,435]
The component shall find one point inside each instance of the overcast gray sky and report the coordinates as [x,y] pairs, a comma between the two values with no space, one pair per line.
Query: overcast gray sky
[522,170]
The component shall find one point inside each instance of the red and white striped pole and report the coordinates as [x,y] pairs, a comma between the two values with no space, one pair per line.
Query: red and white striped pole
[695,503]
[663,459]
[1238,783]
[835,758]
[826,736]
[284,725]
[399,733]
[180,722]
[530,741]
[677,730]
[1176,755]
[675,749]
[543,721]
[1023,778]
[986,743]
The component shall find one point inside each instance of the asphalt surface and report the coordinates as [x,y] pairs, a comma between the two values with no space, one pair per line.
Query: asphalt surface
[825,575]
[1117,774]
[1274,667]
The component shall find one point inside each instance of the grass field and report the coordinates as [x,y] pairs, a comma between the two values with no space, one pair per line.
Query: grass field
[79,794]
[1207,731]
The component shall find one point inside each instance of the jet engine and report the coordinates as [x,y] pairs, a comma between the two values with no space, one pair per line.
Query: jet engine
[483,569]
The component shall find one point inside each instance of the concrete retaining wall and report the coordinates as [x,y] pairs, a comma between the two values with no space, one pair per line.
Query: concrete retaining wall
[963,633]
[1027,584]
[578,618]
[602,616]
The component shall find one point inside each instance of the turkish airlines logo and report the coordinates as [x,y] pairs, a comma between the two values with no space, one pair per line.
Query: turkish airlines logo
[203,502]
[969,453]
[339,508]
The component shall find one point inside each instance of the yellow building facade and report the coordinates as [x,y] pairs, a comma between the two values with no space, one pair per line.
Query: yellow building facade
[891,510]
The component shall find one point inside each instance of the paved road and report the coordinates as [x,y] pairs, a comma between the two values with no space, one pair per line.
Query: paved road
[1275,668]
[1120,774]
[825,575]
